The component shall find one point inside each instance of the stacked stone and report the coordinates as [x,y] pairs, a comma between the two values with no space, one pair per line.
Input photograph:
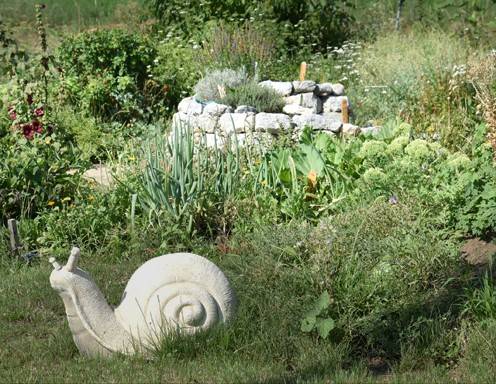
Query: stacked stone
[307,104]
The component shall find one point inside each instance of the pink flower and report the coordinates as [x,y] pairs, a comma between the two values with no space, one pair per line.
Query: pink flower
[38,112]
[12,113]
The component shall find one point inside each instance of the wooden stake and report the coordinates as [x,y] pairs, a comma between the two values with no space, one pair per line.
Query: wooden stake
[15,243]
[345,117]
[303,70]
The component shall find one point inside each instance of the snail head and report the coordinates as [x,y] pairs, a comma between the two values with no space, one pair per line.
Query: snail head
[61,275]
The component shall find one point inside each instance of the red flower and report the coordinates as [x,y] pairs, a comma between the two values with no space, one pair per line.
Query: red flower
[28,131]
[38,112]
[37,126]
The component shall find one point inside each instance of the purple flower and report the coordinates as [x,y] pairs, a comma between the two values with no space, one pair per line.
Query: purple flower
[393,200]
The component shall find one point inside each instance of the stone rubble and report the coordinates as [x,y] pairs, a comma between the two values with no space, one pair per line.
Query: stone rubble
[307,104]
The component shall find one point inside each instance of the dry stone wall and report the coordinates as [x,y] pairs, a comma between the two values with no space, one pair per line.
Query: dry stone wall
[307,104]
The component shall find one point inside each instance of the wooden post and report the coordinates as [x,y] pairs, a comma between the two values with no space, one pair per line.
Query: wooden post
[303,70]
[345,116]
[15,243]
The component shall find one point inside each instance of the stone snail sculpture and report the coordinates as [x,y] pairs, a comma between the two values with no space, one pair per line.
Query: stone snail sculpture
[178,292]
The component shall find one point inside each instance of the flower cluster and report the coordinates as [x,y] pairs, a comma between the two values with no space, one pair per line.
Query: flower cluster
[27,117]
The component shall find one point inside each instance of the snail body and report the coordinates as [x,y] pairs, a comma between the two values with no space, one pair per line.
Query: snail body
[179,292]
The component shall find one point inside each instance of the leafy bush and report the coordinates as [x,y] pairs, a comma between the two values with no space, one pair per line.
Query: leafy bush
[107,73]
[207,89]
[34,174]
[311,24]
[264,99]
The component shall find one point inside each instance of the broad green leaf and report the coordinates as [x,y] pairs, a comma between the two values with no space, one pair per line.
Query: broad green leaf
[308,323]
[324,327]
[323,301]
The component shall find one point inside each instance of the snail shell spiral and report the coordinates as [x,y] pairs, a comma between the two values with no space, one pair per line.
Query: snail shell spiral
[179,291]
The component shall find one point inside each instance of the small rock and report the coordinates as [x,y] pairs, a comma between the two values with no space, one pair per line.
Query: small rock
[304,86]
[333,103]
[318,122]
[307,100]
[190,106]
[216,109]
[372,131]
[100,174]
[284,88]
[295,109]
[272,122]
[237,122]
[350,129]
[245,109]
[324,89]
[338,89]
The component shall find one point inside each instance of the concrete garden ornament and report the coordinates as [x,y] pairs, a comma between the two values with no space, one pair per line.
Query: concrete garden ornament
[179,292]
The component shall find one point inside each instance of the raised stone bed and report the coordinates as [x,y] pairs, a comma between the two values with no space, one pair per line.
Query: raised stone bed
[307,104]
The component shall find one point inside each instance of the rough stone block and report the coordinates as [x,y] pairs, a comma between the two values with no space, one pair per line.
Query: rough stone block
[295,109]
[307,100]
[190,106]
[333,103]
[338,89]
[237,122]
[304,86]
[318,122]
[272,122]
[216,109]
[284,88]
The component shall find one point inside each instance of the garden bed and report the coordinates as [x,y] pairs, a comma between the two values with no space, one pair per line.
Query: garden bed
[323,107]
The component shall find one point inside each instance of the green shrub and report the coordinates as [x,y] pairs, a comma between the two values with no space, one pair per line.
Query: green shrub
[313,25]
[34,174]
[264,99]
[108,73]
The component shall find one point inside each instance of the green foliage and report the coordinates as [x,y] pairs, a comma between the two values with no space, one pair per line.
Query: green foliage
[312,24]
[176,71]
[312,321]
[34,174]
[186,179]
[264,99]
[107,73]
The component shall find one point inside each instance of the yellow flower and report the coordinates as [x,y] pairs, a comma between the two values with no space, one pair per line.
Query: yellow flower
[51,203]
[312,179]
[264,182]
